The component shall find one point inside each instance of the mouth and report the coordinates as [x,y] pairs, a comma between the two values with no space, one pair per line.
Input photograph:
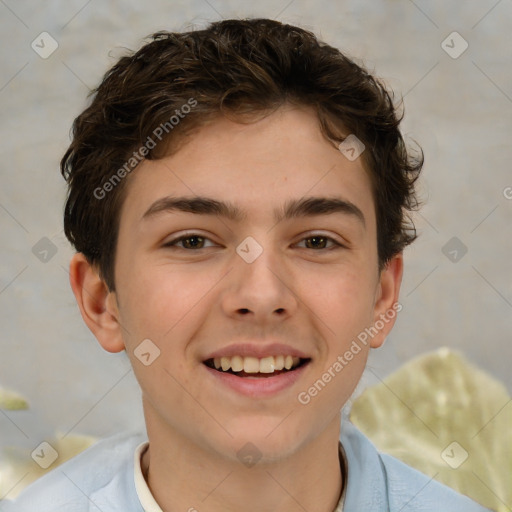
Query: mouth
[256,368]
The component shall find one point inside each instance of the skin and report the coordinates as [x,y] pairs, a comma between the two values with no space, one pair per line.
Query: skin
[190,302]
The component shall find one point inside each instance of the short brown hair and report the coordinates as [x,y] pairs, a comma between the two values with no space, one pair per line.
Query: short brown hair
[242,69]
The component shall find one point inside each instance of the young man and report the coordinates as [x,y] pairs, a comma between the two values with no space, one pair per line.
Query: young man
[238,200]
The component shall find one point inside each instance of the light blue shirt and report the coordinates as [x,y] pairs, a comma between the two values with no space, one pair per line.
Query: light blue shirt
[101,479]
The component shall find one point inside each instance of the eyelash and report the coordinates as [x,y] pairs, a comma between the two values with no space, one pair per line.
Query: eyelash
[173,243]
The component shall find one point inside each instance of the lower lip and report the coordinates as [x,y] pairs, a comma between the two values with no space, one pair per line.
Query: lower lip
[258,386]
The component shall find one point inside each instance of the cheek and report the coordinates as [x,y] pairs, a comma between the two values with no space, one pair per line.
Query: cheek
[346,299]
[161,301]
[345,308]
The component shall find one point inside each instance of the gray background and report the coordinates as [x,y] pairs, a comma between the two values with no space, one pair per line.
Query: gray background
[459,110]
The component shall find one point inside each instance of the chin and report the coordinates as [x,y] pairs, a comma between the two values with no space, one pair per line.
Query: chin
[267,439]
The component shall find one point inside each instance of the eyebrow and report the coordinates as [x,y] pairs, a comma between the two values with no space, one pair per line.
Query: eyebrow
[295,208]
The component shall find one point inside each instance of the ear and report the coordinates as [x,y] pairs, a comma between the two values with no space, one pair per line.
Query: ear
[386,299]
[98,305]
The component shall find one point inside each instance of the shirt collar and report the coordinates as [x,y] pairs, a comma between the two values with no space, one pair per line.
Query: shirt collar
[145,497]
[149,503]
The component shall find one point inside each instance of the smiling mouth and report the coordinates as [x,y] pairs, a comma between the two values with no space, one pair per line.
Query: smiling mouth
[256,367]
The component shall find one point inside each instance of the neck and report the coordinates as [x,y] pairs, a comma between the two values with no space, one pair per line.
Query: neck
[183,476]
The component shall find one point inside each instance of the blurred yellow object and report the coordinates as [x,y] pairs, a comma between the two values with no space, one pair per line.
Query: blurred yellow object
[449,420]
[11,401]
[18,468]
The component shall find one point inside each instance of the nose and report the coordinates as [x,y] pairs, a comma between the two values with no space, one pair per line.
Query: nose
[260,287]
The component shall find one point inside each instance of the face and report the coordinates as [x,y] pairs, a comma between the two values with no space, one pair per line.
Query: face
[285,272]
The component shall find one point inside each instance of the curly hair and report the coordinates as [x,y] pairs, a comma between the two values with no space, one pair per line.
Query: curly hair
[242,69]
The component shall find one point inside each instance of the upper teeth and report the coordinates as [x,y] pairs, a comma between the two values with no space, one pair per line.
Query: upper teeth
[254,365]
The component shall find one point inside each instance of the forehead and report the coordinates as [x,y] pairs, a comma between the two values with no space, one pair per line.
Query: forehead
[258,168]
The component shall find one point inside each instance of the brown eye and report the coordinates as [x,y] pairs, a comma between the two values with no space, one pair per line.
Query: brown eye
[319,242]
[192,241]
